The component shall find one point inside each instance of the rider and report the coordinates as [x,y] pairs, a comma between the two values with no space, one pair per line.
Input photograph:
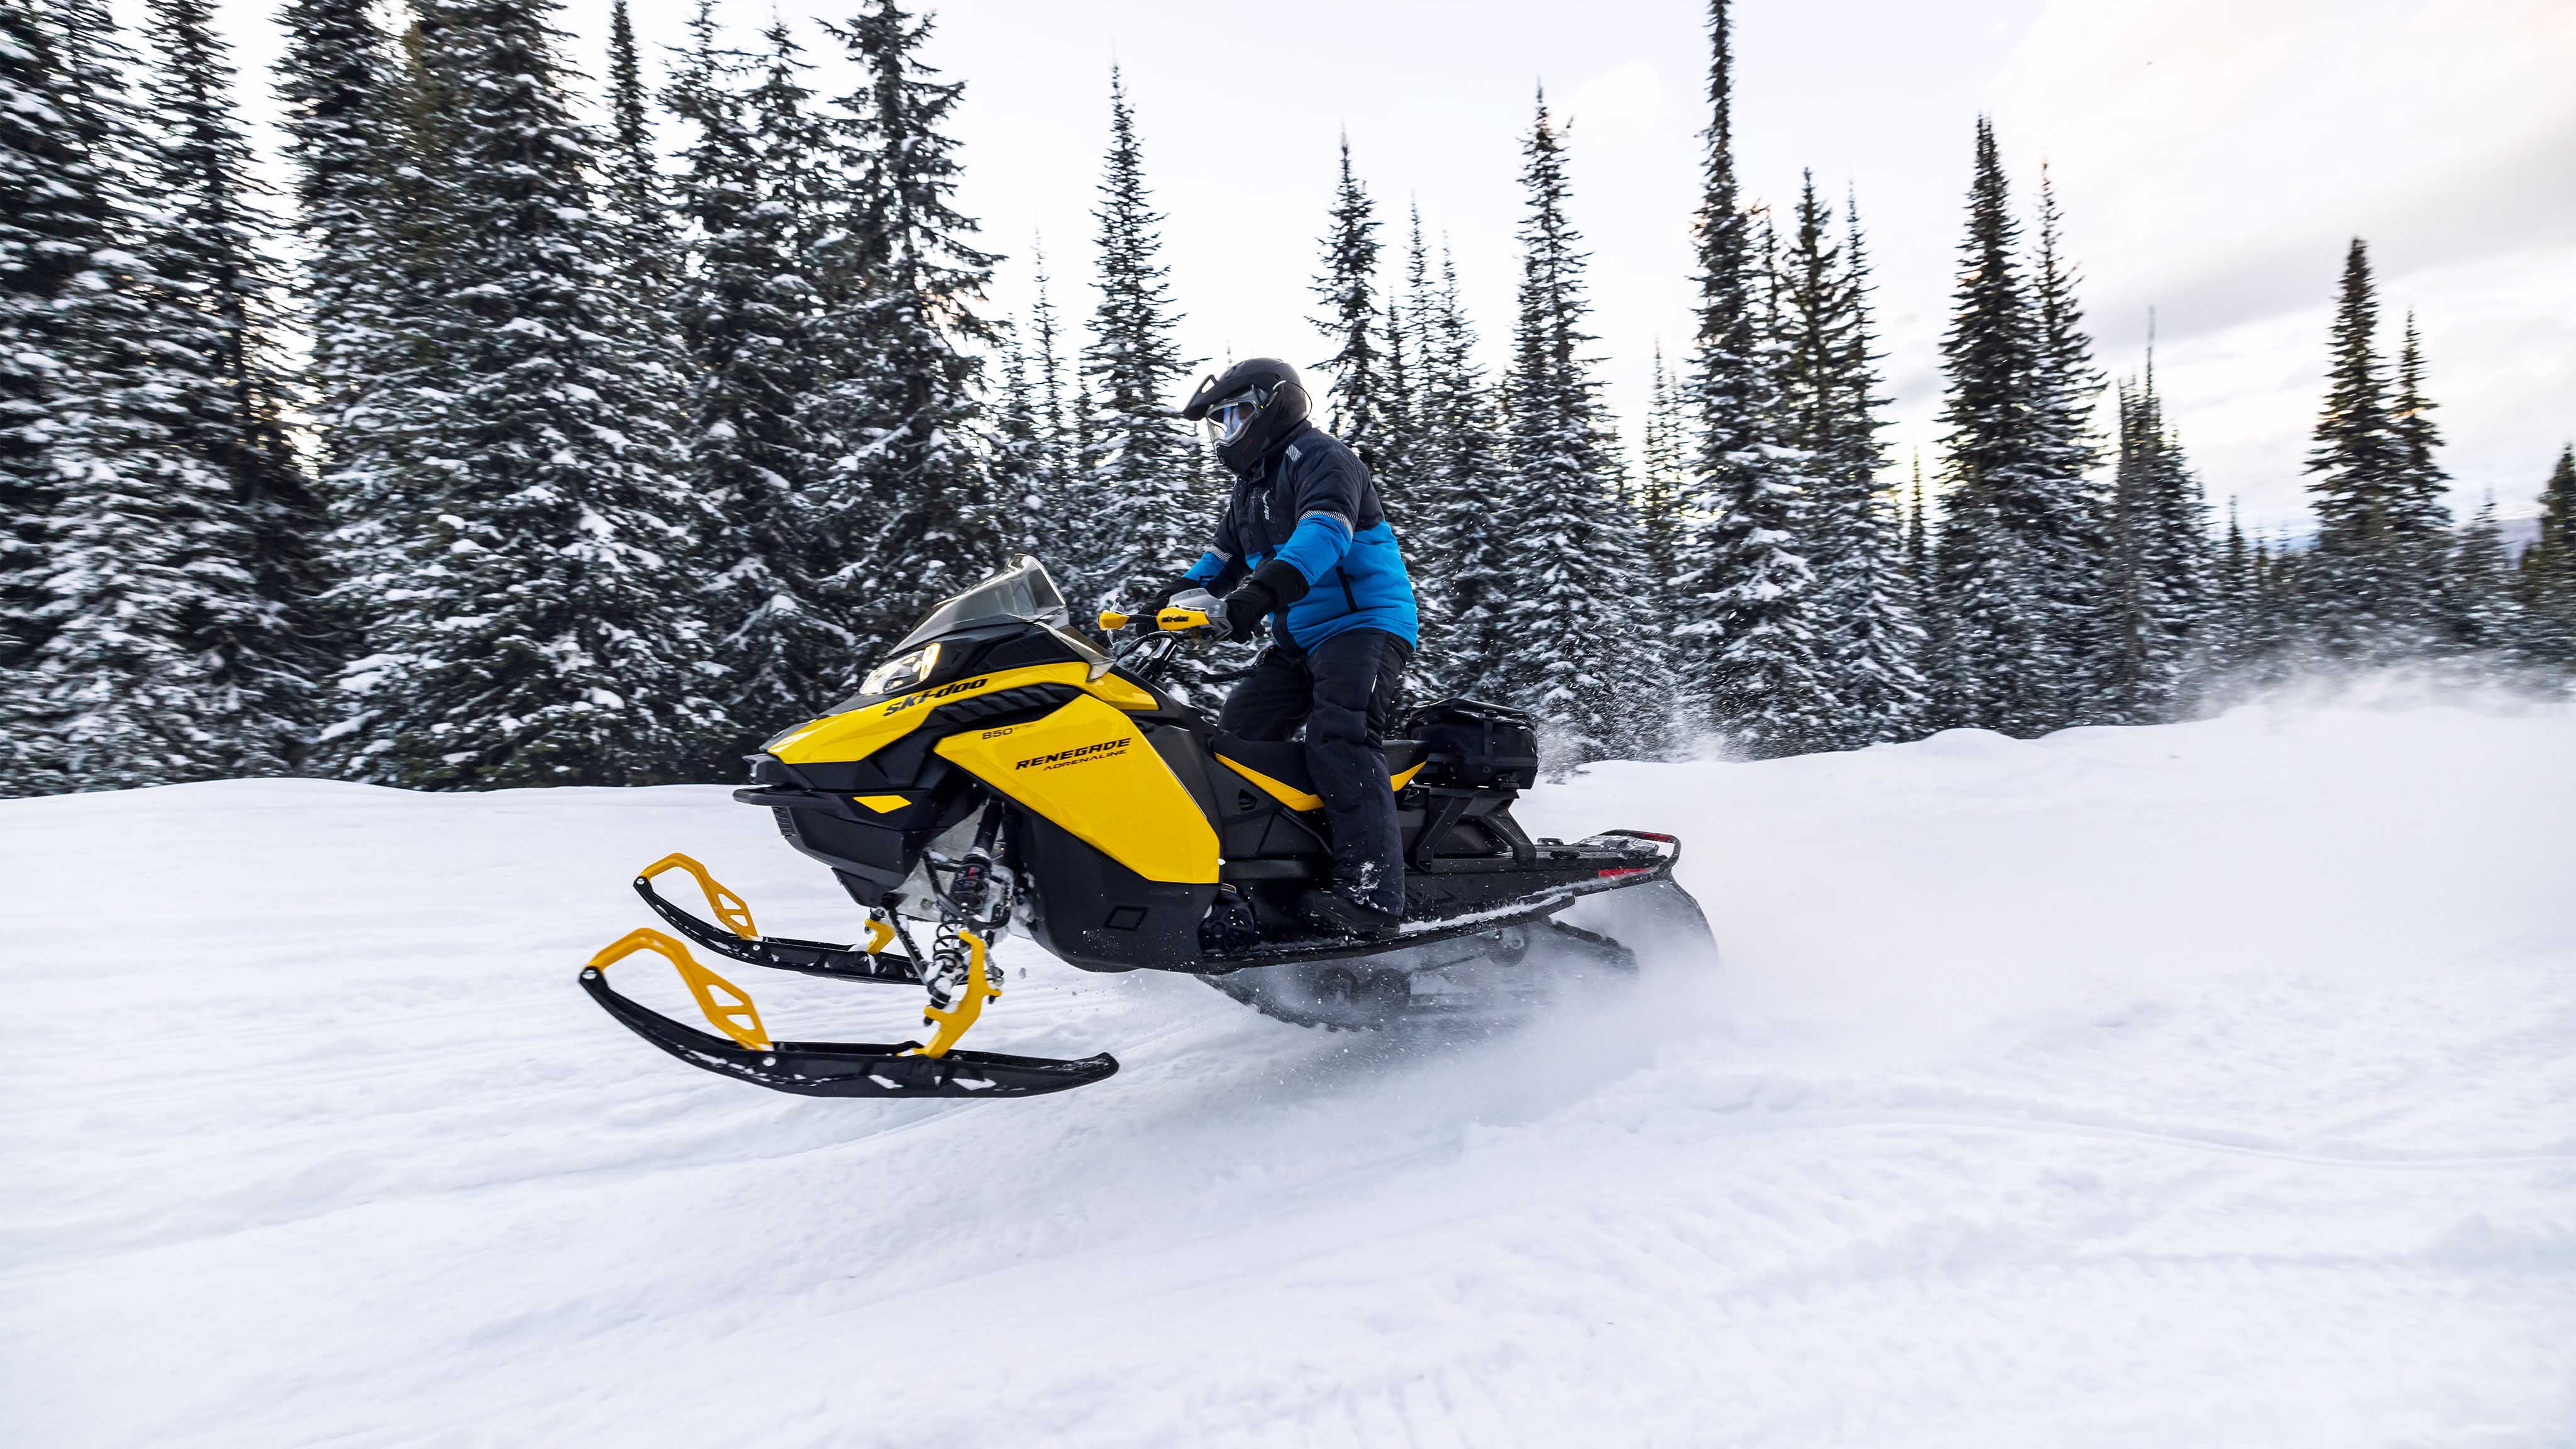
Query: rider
[1303,543]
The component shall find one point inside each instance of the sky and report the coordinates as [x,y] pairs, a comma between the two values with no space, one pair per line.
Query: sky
[2213,159]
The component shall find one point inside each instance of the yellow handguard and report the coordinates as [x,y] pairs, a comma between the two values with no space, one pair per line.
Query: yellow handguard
[735,1016]
[729,908]
[954,1021]
[1112,620]
[1174,621]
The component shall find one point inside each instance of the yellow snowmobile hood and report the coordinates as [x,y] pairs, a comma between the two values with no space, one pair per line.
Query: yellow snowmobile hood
[858,733]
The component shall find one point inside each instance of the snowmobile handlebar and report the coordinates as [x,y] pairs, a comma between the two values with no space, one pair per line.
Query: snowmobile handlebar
[1192,609]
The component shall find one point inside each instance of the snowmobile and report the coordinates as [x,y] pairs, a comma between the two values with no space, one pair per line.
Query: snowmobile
[1001,768]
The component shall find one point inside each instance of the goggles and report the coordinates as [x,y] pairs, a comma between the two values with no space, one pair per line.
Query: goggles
[1227,420]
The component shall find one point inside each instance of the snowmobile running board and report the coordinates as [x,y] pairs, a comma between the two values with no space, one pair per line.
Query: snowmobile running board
[820,1068]
[1424,933]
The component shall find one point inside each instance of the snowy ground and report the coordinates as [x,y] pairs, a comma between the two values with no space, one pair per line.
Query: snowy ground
[2211,1084]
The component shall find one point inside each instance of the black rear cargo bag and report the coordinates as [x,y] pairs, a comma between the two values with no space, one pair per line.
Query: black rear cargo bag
[1472,744]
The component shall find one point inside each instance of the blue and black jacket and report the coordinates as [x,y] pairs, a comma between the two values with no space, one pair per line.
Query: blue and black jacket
[1312,505]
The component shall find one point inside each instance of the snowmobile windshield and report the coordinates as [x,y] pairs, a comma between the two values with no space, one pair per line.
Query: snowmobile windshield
[1022,593]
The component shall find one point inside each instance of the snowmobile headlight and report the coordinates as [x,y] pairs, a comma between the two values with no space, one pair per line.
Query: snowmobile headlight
[902,672]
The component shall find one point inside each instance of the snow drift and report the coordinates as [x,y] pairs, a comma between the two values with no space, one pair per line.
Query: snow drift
[2210,1083]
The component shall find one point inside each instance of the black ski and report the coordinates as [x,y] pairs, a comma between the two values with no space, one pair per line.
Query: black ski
[851,1069]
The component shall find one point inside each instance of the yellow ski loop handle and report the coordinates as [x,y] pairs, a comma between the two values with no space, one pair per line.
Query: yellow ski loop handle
[954,1021]
[735,912]
[736,1017]
[729,908]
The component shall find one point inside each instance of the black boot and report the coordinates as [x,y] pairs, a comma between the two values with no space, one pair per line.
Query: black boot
[1336,914]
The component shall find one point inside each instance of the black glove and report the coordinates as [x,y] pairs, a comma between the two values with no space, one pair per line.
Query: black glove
[1272,587]
[1161,599]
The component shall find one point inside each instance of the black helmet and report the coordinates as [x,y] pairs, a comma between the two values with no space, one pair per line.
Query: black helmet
[1248,408]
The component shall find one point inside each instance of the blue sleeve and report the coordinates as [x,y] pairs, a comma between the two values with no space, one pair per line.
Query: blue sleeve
[1209,568]
[1318,544]
[1330,480]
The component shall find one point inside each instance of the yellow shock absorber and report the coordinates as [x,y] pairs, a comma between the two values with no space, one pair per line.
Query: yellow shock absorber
[735,1016]
[729,908]
[954,1021]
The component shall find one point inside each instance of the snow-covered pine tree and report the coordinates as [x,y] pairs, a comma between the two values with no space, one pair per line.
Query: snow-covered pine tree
[1919,588]
[58,197]
[2255,645]
[2132,687]
[145,591]
[2063,507]
[2416,500]
[209,250]
[631,179]
[2548,572]
[2419,518]
[1400,443]
[1813,337]
[1883,631]
[1735,555]
[2481,613]
[1664,475]
[2188,585]
[1016,467]
[1356,409]
[2232,596]
[2162,613]
[757,450]
[1465,563]
[2356,604]
[1135,494]
[912,360]
[1082,533]
[542,629]
[1404,447]
[1769,686]
[1859,611]
[1995,669]
[1567,633]
[380,378]
[1053,448]
[345,126]
[637,197]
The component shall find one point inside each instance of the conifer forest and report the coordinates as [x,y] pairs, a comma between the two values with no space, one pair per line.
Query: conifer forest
[550,429]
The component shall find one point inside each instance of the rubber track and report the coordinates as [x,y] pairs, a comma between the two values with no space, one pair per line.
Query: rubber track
[1242,986]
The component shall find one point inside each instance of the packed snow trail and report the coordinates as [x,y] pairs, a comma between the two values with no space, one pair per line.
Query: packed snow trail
[2208,1084]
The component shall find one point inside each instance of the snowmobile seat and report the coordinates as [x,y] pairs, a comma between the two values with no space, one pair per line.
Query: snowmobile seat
[1283,763]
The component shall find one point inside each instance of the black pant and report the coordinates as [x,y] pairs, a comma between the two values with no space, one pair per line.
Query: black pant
[1341,690]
